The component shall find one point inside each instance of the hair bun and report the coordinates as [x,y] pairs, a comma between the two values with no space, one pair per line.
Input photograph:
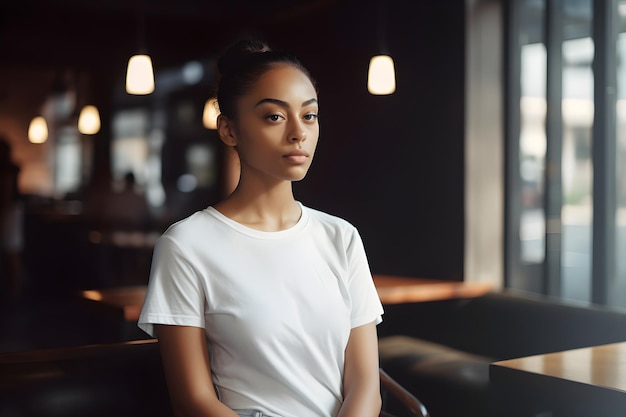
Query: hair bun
[240,54]
[240,68]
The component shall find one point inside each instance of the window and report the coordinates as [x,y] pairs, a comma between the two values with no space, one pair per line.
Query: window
[566,149]
[619,294]
[68,176]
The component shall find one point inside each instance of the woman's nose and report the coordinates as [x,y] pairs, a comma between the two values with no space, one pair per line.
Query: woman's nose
[297,133]
[298,137]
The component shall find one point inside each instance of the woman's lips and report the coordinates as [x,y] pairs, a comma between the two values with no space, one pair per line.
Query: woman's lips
[297,157]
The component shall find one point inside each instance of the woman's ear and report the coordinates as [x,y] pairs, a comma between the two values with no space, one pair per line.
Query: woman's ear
[226,131]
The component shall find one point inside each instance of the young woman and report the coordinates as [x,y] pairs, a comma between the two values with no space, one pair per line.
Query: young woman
[262,306]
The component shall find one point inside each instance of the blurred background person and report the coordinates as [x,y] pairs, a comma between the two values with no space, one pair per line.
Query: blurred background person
[127,209]
[11,225]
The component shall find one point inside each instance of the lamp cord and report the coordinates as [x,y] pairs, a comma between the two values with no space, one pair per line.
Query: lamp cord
[141,25]
[382,27]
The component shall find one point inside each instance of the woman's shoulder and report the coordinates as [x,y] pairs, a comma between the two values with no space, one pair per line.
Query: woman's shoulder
[197,224]
[329,220]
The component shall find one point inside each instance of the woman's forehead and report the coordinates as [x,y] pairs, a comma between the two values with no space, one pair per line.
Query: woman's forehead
[283,82]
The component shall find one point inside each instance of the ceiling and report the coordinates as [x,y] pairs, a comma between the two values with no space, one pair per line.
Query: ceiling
[96,33]
[47,45]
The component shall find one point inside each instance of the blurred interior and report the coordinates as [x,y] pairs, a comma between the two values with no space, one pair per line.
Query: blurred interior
[393,165]
[445,178]
[498,161]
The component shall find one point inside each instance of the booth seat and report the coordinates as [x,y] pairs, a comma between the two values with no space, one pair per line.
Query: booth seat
[121,380]
[441,351]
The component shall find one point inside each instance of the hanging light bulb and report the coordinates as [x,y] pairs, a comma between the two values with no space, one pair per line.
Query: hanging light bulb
[210,113]
[381,77]
[38,130]
[139,75]
[89,120]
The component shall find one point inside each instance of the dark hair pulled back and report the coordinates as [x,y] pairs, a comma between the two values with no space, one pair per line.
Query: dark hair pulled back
[242,65]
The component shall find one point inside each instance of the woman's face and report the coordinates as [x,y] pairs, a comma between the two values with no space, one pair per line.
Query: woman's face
[277,129]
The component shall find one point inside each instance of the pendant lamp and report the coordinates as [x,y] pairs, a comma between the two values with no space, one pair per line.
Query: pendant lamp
[139,72]
[139,75]
[38,130]
[210,113]
[381,74]
[89,120]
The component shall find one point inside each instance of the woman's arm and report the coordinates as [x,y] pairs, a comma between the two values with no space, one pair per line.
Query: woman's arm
[361,379]
[188,372]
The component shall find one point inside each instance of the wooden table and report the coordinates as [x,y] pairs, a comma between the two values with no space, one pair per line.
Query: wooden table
[396,290]
[575,383]
[123,301]
[127,301]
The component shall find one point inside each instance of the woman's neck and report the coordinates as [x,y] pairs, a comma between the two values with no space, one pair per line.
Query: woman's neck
[269,208]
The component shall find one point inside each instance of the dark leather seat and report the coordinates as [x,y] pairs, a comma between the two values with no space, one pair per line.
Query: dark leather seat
[441,351]
[121,380]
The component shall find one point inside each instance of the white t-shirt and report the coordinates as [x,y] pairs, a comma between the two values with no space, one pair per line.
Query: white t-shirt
[277,307]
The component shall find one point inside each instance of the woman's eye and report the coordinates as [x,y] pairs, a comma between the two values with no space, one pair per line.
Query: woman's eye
[273,117]
[310,116]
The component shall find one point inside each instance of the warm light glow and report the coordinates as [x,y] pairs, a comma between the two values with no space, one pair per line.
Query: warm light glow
[210,113]
[139,76]
[93,295]
[89,120]
[381,77]
[38,130]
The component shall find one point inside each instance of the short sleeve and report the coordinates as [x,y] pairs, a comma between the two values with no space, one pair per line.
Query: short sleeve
[175,294]
[365,303]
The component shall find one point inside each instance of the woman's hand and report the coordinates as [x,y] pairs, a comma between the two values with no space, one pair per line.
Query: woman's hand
[361,379]
[188,372]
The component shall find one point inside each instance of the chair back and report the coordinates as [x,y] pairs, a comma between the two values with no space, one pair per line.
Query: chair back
[397,401]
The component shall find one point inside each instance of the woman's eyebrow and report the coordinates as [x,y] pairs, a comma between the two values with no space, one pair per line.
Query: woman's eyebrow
[284,103]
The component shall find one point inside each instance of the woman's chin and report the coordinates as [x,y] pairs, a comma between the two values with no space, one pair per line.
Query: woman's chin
[298,175]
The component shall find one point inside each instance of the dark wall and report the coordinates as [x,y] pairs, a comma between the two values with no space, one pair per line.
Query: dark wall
[392,165]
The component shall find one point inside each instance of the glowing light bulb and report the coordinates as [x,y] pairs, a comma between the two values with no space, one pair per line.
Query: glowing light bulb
[139,75]
[210,113]
[89,120]
[38,130]
[381,77]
